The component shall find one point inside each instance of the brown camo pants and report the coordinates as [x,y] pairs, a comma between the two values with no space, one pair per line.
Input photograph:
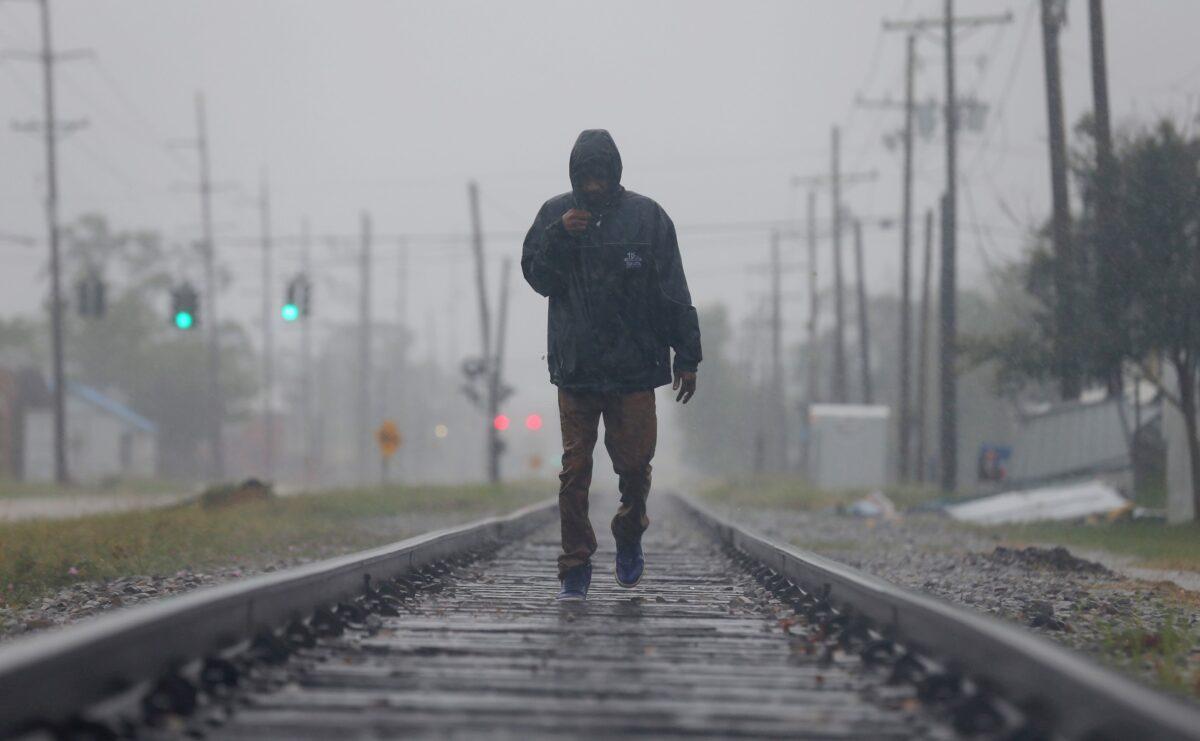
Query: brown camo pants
[630,434]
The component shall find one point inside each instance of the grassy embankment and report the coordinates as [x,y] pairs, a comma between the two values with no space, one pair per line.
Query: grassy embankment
[1149,544]
[1153,545]
[39,556]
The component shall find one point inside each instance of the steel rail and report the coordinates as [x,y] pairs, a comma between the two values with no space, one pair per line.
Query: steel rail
[1073,696]
[49,678]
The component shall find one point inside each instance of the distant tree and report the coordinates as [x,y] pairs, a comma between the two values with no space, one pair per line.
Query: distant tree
[18,340]
[134,352]
[719,427]
[1138,278]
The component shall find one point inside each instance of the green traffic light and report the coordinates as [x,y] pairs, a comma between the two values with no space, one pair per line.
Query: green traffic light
[290,312]
[183,320]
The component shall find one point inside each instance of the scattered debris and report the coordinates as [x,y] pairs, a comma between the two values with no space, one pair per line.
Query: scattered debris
[875,504]
[1067,502]
[226,495]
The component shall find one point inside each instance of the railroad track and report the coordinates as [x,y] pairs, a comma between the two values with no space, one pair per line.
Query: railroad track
[456,634]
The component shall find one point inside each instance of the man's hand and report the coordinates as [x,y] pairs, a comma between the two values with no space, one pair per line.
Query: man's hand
[576,220]
[685,384]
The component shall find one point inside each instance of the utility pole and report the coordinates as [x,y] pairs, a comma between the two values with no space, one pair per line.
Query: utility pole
[363,434]
[61,473]
[948,340]
[864,321]
[813,371]
[1100,82]
[906,262]
[493,440]
[923,347]
[208,249]
[836,179]
[904,421]
[306,384]
[268,307]
[948,363]
[480,276]
[496,388]
[779,413]
[1053,18]
[839,309]
[947,356]
[814,302]
[1105,172]
[402,342]
[51,129]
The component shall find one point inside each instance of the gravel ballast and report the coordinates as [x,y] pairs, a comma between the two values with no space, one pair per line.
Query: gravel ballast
[1148,629]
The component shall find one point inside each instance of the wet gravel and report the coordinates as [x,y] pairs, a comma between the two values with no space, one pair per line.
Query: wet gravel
[86,599]
[1149,629]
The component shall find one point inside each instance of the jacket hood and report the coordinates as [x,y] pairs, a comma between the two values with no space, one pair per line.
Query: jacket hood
[595,153]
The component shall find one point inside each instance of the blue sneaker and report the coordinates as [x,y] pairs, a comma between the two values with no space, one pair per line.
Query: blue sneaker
[630,563]
[575,584]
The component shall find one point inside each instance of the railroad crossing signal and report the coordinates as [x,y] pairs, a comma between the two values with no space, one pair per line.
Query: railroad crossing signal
[389,438]
[185,307]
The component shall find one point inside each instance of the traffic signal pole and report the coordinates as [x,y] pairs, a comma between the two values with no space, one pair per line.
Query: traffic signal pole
[496,378]
[306,385]
[493,440]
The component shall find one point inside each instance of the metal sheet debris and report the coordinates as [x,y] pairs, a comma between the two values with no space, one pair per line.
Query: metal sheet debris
[1063,502]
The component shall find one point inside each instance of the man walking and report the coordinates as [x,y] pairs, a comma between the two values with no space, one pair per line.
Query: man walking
[609,262]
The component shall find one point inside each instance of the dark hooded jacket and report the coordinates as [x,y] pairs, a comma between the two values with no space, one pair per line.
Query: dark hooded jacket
[619,301]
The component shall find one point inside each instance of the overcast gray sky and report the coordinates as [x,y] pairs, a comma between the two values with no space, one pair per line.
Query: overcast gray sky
[392,106]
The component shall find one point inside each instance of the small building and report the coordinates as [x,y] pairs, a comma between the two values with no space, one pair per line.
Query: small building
[21,388]
[105,439]
[849,445]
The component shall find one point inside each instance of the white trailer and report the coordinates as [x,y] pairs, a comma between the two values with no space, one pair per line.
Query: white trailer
[849,445]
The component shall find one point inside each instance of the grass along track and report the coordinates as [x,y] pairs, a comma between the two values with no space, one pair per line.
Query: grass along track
[38,557]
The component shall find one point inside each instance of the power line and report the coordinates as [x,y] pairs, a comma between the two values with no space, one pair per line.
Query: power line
[1001,106]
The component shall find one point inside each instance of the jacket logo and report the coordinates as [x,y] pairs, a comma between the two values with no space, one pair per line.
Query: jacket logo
[632,260]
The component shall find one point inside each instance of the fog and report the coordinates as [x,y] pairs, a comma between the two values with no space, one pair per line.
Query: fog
[391,107]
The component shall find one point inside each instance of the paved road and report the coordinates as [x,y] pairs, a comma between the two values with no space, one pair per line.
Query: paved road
[64,506]
[697,650]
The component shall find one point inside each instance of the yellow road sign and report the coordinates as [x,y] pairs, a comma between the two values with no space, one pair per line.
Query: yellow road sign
[389,438]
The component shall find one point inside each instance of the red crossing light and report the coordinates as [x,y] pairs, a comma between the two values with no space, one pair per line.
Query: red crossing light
[500,422]
[533,422]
